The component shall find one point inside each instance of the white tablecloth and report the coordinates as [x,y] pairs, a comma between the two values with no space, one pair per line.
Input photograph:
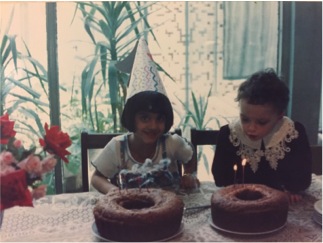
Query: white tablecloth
[68,217]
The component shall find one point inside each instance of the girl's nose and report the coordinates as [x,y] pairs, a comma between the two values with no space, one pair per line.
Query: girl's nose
[153,123]
[251,127]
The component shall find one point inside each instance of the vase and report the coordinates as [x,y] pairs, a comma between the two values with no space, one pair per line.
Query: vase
[1,217]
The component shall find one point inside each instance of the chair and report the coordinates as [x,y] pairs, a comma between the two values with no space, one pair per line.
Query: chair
[98,141]
[316,159]
[202,137]
[91,141]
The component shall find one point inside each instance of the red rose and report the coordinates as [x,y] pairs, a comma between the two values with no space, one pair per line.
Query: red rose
[6,131]
[56,142]
[14,190]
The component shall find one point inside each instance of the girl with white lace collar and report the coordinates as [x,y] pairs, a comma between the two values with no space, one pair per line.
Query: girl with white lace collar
[275,147]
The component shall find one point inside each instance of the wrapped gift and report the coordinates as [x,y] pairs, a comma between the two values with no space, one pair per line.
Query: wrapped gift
[148,175]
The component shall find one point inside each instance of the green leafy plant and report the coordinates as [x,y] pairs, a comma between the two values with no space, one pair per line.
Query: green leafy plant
[114,28]
[196,118]
[20,74]
[24,90]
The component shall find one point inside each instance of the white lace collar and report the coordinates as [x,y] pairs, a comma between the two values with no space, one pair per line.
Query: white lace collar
[275,143]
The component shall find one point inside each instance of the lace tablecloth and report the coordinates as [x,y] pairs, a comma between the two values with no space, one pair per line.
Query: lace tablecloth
[68,217]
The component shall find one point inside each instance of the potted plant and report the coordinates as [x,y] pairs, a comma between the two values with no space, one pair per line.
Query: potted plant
[113,27]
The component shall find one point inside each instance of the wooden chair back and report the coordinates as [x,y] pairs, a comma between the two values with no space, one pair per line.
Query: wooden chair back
[91,141]
[202,137]
[98,141]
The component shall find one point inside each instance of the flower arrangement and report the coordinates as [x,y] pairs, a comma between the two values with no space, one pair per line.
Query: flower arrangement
[21,170]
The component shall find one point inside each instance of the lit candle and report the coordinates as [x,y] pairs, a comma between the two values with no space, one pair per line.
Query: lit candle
[235,168]
[243,163]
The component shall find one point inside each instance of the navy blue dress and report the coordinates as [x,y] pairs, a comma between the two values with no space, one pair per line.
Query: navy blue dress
[282,161]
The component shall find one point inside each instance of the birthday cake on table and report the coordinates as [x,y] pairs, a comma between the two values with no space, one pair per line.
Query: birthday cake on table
[249,208]
[138,215]
[140,210]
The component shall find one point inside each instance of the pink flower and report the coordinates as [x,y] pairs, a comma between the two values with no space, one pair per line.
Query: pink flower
[39,192]
[31,164]
[17,143]
[21,168]
[48,164]
[6,158]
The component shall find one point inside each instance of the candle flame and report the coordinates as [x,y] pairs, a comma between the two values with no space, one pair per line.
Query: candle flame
[235,167]
[244,162]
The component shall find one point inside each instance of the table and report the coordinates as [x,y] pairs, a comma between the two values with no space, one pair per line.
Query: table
[68,217]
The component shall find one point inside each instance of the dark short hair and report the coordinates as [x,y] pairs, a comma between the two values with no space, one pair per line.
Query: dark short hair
[265,87]
[148,101]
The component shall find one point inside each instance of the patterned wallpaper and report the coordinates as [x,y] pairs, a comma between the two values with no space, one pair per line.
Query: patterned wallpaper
[194,62]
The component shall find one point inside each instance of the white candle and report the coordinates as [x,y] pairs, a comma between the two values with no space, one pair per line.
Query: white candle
[235,168]
[243,163]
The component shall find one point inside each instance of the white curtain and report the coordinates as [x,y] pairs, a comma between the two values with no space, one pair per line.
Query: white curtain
[250,37]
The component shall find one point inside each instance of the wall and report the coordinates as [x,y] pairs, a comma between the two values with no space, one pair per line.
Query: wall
[302,62]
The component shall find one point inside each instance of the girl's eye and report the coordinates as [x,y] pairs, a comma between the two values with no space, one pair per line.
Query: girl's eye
[143,117]
[262,123]
[259,122]
[244,119]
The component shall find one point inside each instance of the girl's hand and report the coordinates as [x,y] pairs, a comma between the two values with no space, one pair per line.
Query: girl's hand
[189,182]
[293,197]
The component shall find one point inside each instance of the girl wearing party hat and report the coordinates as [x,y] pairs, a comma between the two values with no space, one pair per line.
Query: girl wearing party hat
[147,155]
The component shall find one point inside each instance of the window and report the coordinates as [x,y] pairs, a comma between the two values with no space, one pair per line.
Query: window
[201,45]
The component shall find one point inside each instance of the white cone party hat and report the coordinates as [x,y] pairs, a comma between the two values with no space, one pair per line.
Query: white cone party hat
[144,74]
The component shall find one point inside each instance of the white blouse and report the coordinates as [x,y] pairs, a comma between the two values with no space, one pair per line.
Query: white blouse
[110,162]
